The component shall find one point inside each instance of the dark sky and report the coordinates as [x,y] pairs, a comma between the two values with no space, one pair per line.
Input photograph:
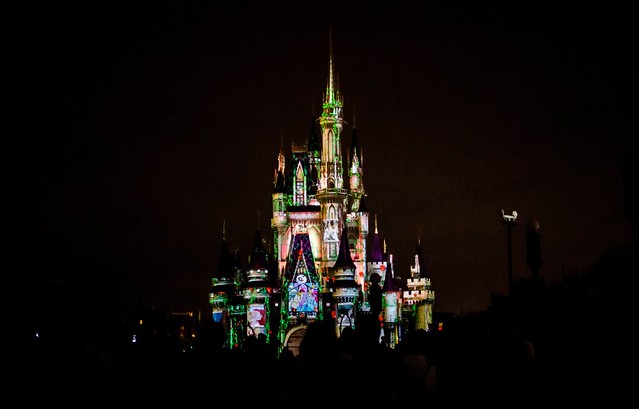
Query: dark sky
[141,127]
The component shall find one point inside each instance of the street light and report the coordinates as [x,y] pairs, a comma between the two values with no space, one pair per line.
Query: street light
[509,221]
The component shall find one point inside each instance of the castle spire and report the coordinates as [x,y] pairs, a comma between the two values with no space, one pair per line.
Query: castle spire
[355,173]
[332,98]
[331,95]
[376,255]
[331,192]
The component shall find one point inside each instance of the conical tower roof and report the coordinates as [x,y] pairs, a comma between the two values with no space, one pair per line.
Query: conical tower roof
[259,257]
[344,259]
[389,280]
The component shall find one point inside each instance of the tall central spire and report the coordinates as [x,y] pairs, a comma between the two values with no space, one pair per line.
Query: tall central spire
[332,97]
[331,193]
[331,122]
[330,92]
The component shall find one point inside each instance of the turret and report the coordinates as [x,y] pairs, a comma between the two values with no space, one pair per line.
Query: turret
[376,261]
[223,284]
[355,173]
[418,300]
[257,290]
[357,216]
[344,287]
[391,307]
[314,157]
[279,222]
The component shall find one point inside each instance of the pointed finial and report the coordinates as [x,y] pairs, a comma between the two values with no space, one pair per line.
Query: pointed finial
[224,229]
[259,215]
[331,86]
[281,162]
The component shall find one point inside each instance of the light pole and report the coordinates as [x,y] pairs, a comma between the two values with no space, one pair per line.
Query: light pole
[509,221]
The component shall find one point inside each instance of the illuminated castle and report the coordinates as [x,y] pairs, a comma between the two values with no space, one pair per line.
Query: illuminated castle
[319,266]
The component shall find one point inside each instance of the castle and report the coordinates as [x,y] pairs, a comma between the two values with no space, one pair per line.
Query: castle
[320,266]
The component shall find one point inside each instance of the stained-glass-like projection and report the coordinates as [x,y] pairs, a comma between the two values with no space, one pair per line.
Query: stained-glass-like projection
[303,296]
[256,318]
[303,288]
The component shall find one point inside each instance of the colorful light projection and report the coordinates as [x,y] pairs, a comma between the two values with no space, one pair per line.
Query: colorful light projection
[256,318]
[303,297]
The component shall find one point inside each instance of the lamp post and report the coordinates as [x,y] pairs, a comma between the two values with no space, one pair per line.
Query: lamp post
[509,221]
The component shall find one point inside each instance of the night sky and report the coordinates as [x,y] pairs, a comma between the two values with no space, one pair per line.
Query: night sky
[143,127]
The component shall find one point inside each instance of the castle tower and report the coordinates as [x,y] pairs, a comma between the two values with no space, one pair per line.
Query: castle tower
[331,193]
[355,173]
[357,216]
[279,222]
[345,288]
[314,158]
[391,299]
[257,291]
[377,263]
[418,300]
[223,287]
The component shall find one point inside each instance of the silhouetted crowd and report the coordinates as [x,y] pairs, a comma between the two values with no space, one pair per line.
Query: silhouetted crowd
[353,368]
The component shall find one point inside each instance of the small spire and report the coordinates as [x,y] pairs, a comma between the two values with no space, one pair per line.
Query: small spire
[376,254]
[224,229]
[259,215]
[281,162]
[330,63]
[332,97]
